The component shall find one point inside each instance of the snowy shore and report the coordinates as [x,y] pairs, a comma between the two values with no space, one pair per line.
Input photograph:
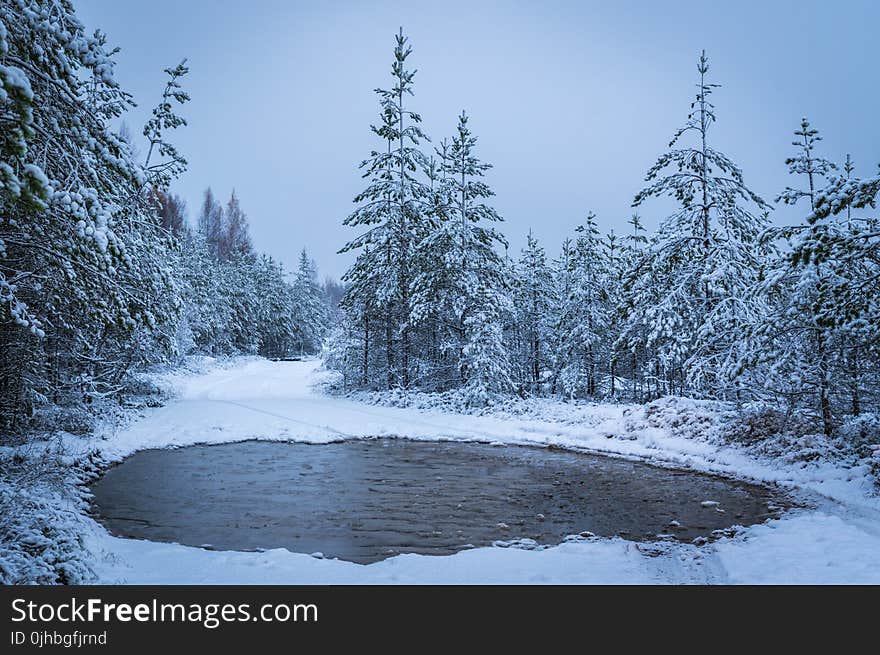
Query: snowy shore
[835,540]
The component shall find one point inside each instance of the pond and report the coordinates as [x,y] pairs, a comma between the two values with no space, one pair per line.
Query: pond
[367,500]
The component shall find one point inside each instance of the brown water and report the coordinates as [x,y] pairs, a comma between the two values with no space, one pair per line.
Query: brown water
[367,500]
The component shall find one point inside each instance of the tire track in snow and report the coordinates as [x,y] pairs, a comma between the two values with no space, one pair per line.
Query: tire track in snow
[287,418]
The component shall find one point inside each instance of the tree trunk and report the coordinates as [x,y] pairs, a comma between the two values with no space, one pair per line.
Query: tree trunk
[389,353]
[366,377]
[854,383]
[824,399]
[536,367]
[405,337]
[611,368]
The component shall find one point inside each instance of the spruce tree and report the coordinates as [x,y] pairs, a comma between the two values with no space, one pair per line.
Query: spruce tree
[309,306]
[236,239]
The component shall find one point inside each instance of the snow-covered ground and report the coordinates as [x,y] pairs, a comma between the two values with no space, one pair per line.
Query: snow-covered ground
[837,540]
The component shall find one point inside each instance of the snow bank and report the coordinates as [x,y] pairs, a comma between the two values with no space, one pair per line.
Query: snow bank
[804,548]
[808,548]
[259,399]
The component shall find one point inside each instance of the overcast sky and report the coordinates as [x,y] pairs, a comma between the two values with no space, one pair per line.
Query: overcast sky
[571,101]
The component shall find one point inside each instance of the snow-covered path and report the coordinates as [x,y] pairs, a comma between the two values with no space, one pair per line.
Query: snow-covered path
[838,542]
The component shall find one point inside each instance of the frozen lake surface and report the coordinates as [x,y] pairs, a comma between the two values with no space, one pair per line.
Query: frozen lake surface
[367,500]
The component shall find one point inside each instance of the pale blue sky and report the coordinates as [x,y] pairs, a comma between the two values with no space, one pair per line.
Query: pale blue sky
[571,101]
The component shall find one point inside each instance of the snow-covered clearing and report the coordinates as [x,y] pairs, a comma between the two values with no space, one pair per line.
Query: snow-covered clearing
[837,540]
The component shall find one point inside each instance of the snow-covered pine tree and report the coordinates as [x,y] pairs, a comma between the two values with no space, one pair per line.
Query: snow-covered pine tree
[830,315]
[238,289]
[363,316]
[390,209]
[430,310]
[81,265]
[157,279]
[236,239]
[562,269]
[582,317]
[630,340]
[799,344]
[171,164]
[467,283]
[238,301]
[309,306]
[843,192]
[687,293]
[206,312]
[276,321]
[613,256]
[854,250]
[367,302]
[859,243]
[343,353]
[805,162]
[153,274]
[532,298]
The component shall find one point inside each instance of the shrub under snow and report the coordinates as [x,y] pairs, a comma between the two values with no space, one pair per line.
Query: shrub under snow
[42,517]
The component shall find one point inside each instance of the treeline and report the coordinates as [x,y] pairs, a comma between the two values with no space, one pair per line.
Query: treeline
[99,273]
[235,300]
[717,303]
